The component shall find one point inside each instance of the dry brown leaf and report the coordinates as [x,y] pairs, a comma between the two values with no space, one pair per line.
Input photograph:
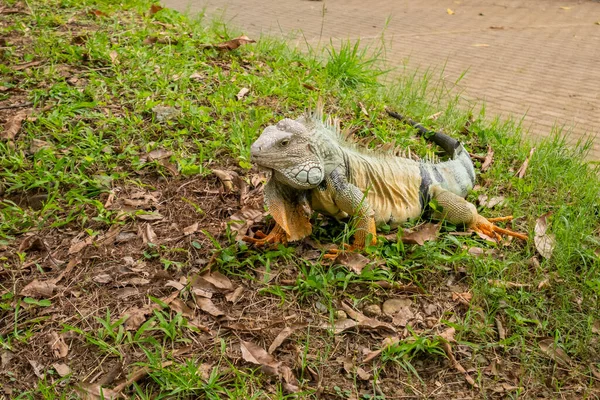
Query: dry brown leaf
[136,316]
[243,92]
[155,155]
[218,280]
[478,251]
[448,335]
[544,242]
[388,341]
[38,289]
[208,306]
[255,354]
[456,365]
[234,43]
[151,216]
[363,108]
[245,218]
[283,335]
[78,246]
[234,297]
[392,306]
[421,234]
[114,57]
[489,157]
[362,374]
[154,9]
[506,284]
[188,230]
[98,13]
[179,306]
[523,169]
[362,321]
[596,327]
[37,145]
[484,201]
[463,298]
[147,234]
[554,351]
[227,178]
[58,346]
[102,278]
[61,369]
[354,261]
[13,125]
[500,329]
[26,65]
[94,391]
[544,283]
[136,281]
[34,243]
[38,368]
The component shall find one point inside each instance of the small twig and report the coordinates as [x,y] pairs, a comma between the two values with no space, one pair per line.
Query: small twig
[27,104]
[137,375]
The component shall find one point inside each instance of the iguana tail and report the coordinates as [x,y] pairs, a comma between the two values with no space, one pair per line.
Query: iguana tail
[449,144]
[456,175]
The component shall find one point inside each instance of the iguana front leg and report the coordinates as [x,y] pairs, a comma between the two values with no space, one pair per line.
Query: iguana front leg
[457,211]
[291,212]
[351,200]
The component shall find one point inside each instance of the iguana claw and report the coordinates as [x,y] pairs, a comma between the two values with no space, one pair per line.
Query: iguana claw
[334,253]
[276,236]
[485,226]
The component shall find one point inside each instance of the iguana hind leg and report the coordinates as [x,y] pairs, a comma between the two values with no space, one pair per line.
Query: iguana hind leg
[457,210]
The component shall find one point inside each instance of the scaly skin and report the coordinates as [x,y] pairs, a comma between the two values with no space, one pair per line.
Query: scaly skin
[315,168]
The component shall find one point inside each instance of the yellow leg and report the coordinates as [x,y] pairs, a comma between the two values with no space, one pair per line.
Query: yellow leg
[277,235]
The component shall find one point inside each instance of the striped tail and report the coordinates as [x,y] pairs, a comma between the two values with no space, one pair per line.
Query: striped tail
[456,175]
[449,144]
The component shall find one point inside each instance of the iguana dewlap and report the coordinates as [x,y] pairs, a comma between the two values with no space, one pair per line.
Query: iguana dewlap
[314,168]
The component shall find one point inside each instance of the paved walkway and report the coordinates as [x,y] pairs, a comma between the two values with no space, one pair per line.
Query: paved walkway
[535,57]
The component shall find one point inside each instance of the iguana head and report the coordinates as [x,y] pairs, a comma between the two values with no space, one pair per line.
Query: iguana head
[288,148]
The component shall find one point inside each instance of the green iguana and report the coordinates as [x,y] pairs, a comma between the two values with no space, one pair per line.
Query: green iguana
[315,167]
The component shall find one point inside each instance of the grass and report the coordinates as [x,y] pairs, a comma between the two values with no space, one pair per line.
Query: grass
[105,68]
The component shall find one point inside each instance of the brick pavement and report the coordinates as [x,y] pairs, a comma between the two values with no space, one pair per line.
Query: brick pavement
[535,57]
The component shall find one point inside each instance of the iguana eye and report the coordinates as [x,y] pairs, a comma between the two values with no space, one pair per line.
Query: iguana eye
[284,142]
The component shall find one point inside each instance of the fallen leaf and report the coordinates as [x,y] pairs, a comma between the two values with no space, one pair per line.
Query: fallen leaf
[242,93]
[544,242]
[34,243]
[38,289]
[449,11]
[218,280]
[484,201]
[136,281]
[38,368]
[154,9]
[554,351]
[61,369]
[244,219]
[255,354]
[78,246]
[164,113]
[179,306]
[500,329]
[353,260]
[155,155]
[26,65]
[114,57]
[489,157]
[478,251]
[387,342]
[596,327]
[136,316]
[234,43]
[283,335]
[147,234]
[523,168]
[149,216]
[197,76]
[190,229]
[362,374]
[402,317]
[233,297]
[208,306]
[456,365]
[363,108]
[448,335]
[102,278]
[544,283]
[227,178]
[421,234]
[13,125]
[392,306]
[58,346]
[463,298]
[506,284]
[37,145]
[94,391]
[98,13]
